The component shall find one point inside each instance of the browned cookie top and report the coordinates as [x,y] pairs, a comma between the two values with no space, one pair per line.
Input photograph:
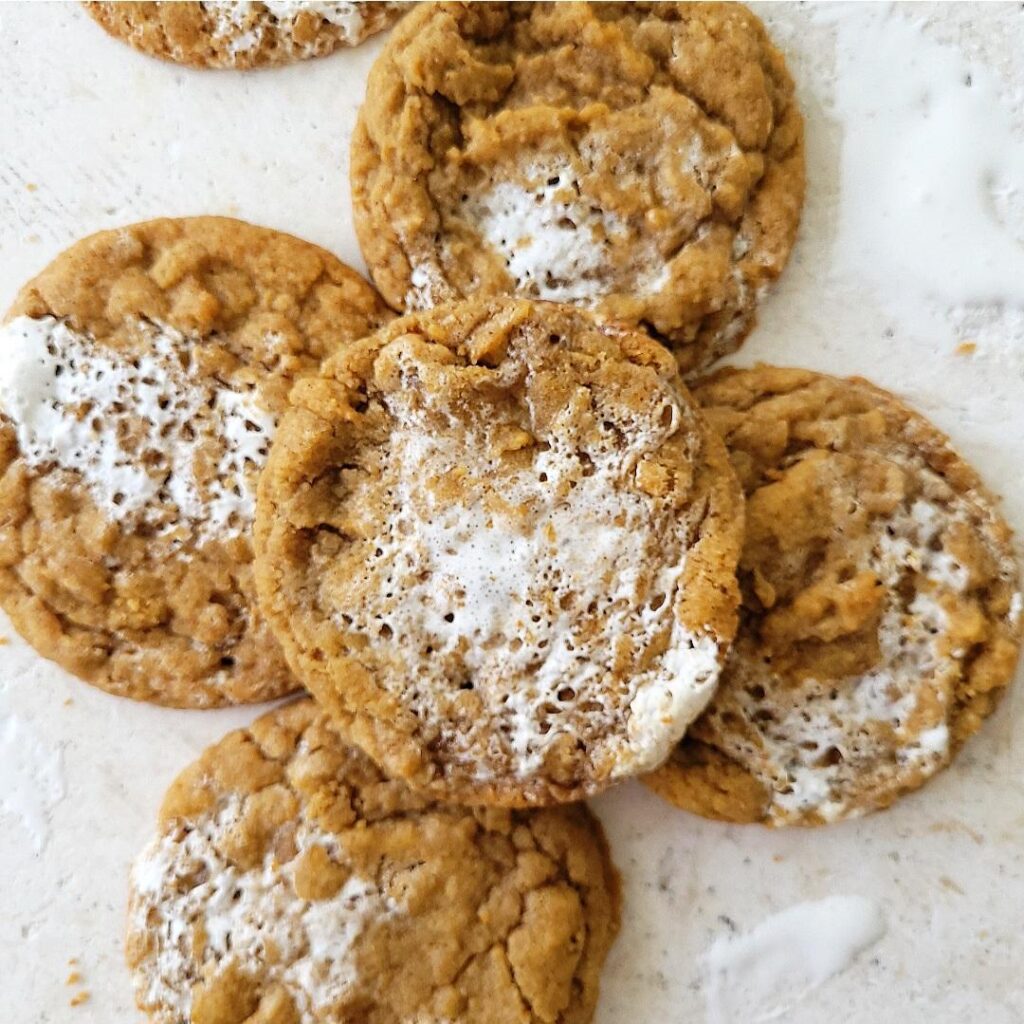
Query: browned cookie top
[291,883]
[140,380]
[240,33]
[880,616]
[644,160]
[498,542]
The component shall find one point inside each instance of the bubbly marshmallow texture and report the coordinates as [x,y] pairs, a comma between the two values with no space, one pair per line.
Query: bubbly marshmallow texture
[533,591]
[138,430]
[885,701]
[499,542]
[184,886]
[551,239]
[248,21]
[424,288]
[560,245]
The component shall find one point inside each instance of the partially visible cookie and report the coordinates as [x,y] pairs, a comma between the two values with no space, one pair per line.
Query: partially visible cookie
[644,160]
[240,33]
[291,883]
[141,375]
[881,615]
[498,542]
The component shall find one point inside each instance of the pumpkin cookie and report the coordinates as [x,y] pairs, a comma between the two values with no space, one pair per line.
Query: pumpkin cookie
[291,883]
[498,542]
[241,34]
[880,616]
[644,160]
[140,380]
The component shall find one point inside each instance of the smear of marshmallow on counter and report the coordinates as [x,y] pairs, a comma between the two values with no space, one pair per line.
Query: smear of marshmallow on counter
[930,162]
[761,974]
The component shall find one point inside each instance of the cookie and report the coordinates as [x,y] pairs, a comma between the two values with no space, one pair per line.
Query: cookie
[643,160]
[291,883]
[140,382]
[880,617]
[242,34]
[498,542]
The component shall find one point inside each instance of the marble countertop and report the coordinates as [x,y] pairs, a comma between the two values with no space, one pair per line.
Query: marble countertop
[912,245]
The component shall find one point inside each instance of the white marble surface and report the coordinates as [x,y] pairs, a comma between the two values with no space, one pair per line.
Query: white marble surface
[911,244]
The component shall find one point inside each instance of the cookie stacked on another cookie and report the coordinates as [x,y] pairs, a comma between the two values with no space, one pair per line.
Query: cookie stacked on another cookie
[498,543]
[242,33]
[141,377]
[644,160]
[881,610]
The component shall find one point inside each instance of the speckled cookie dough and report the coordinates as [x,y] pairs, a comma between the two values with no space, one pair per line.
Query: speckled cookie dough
[242,34]
[643,160]
[881,615]
[498,542]
[140,380]
[291,883]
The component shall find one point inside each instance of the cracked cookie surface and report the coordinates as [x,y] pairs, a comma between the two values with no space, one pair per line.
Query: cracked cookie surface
[880,615]
[643,160]
[291,883]
[243,34]
[141,379]
[498,542]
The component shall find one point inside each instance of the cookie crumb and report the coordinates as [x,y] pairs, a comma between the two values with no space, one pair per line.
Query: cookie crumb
[78,998]
[957,826]
[966,348]
[31,186]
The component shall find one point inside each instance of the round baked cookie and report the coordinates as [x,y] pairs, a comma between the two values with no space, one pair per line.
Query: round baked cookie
[498,542]
[644,160]
[240,33]
[140,380]
[880,621]
[291,883]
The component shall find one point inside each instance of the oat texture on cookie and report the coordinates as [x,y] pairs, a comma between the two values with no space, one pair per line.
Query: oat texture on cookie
[242,33]
[643,160]
[498,542]
[291,883]
[141,378]
[880,616]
